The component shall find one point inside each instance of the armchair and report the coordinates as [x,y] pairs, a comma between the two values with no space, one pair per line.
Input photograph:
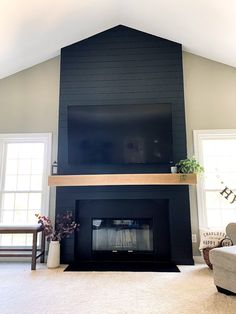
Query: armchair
[223,260]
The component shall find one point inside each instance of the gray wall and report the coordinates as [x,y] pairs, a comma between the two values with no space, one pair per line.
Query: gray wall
[210,103]
[29,103]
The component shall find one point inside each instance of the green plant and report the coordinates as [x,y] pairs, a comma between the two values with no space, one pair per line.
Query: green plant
[189,165]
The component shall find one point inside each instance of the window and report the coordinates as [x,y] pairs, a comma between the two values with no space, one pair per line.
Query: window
[216,151]
[25,164]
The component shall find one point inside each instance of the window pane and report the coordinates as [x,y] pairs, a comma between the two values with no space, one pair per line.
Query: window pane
[8,201]
[11,166]
[228,215]
[225,203]
[21,201]
[8,216]
[210,164]
[24,166]
[220,147]
[31,216]
[35,201]
[23,183]
[37,166]
[229,179]
[6,239]
[18,239]
[37,150]
[214,218]
[12,150]
[10,183]
[211,181]
[20,216]
[29,239]
[25,150]
[36,183]
[212,200]
[226,164]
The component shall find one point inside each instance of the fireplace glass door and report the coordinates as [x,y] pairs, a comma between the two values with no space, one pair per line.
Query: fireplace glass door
[115,235]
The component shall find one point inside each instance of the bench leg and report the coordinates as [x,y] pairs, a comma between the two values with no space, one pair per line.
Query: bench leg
[42,247]
[34,251]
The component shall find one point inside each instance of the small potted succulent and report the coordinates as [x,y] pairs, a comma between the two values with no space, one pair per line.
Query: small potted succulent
[64,227]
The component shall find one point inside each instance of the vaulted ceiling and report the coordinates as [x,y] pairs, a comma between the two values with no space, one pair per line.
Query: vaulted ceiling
[32,31]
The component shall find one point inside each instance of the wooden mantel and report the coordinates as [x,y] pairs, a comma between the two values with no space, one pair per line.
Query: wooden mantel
[123,179]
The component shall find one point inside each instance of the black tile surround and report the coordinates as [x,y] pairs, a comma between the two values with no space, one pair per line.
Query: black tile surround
[125,66]
[156,210]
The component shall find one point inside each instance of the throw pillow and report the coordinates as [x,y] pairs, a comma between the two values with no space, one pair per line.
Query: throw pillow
[211,238]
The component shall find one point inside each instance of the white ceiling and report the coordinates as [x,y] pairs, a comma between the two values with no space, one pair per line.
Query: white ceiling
[32,31]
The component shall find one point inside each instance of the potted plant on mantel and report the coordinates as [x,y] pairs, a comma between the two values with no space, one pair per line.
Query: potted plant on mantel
[64,227]
[188,165]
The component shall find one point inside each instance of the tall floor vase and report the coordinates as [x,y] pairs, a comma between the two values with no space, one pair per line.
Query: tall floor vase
[53,260]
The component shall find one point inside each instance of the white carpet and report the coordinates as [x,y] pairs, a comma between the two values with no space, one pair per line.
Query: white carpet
[55,292]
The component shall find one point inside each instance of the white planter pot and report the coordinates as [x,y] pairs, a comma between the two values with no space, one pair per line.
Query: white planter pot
[173,169]
[53,260]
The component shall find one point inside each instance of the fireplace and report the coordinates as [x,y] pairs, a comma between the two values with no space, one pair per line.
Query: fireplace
[123,229]
[132,73]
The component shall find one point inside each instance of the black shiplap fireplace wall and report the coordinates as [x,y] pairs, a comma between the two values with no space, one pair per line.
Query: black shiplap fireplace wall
[117,67]
[122,66]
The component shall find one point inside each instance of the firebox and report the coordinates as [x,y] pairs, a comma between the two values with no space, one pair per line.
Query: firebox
[122,235]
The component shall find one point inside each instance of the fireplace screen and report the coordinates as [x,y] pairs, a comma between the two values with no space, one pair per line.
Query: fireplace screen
[122,234]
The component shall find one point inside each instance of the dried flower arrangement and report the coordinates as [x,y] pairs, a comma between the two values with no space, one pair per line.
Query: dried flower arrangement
[64,226]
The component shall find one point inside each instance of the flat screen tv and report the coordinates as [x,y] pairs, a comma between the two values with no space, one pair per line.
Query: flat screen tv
[120,134]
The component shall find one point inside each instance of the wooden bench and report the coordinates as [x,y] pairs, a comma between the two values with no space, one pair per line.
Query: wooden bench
[25,229]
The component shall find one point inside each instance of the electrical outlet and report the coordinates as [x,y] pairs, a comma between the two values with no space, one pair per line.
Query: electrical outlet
[194,238]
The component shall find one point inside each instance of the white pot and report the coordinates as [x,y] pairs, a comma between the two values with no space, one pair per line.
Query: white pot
[173,169]
[53,260]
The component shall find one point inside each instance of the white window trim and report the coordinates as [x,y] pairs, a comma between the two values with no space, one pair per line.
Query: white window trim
[198,136]
[31,137]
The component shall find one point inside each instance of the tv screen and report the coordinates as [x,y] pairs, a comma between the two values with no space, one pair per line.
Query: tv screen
[120,134]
